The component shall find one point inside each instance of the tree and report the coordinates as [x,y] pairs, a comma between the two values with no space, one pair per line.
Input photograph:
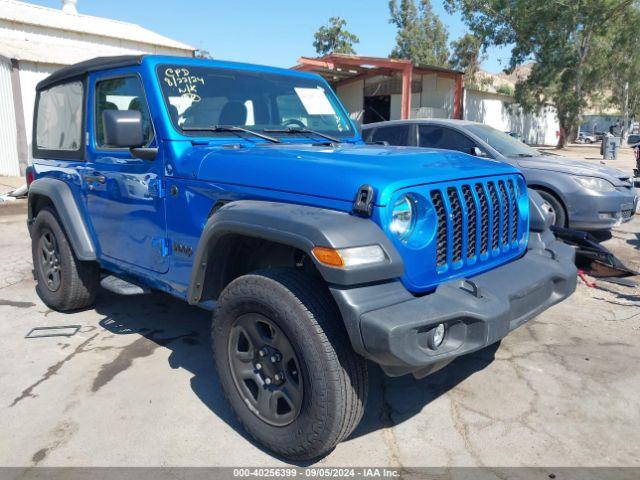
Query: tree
[334,38]
[467,56]
[201,53]
[624,59]
[422,37]
[568,43]
[505,90]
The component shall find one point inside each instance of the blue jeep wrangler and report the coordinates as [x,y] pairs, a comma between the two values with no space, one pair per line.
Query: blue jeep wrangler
[248,191]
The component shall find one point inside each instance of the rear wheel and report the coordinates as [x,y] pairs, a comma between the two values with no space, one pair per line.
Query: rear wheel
[64,282]
[285,363]
[556,206]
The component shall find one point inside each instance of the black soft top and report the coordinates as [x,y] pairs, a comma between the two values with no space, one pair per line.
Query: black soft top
[82,68]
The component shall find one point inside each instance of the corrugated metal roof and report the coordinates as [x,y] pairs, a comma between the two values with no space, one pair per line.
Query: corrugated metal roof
[60,51]
[29,14]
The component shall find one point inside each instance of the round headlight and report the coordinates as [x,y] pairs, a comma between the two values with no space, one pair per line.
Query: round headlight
[403,217]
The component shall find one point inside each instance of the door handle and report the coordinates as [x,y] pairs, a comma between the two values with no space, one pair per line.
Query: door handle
[95,178]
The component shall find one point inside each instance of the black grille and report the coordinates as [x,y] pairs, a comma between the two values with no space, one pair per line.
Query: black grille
[484,218]
[441,238]
[495,208]
[456,214]
[627,213]
[474,210]
[471,220]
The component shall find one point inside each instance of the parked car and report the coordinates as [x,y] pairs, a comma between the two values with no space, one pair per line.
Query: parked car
[633,139]
[583,195]
[585,137]
[515,135]
[315,251]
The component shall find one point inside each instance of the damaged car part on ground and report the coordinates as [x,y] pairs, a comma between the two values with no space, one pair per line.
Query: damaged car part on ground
[314,251]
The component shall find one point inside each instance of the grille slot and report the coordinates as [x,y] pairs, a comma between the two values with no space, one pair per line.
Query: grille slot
[506,218]
[475,219]
[456,213]
[471,220]
[441,237]
[495,210]
[514,211]
[484,219]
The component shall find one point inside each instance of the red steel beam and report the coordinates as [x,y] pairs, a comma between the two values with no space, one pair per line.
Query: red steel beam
[405,109]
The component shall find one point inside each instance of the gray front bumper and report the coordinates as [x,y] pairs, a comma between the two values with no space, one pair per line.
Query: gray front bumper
[592,211]
[393,325]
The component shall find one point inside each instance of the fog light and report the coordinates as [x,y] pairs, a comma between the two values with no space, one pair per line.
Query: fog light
[436,336]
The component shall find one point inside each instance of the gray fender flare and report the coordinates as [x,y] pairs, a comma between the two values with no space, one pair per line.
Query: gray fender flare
[298,226]
[540,216]
[68,213]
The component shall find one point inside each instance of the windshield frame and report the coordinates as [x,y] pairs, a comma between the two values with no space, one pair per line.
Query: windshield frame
[476,129]
[351,135]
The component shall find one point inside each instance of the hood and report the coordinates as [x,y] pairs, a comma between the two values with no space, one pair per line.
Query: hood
[576,167]
[338,172]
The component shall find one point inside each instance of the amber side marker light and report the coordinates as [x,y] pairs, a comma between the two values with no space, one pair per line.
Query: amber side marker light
[328,256]
[349,257]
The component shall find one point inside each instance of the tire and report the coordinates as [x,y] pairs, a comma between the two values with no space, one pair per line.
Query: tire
[331,386]
[588,141]
[63,282]
[557,206]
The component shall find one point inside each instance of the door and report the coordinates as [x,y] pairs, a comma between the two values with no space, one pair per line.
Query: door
[437,136]
[124,194]
[397,135]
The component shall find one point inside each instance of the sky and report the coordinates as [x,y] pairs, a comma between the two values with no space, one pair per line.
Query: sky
[268,32]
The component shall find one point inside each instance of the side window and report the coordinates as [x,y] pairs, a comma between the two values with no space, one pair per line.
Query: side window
[395,135]
[59,120]
[434,136]
[367,135]
[124,93]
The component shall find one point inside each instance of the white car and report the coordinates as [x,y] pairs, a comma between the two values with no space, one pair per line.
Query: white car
[584,137]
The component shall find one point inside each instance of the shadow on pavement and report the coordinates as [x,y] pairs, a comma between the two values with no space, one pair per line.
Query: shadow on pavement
[394,400]
[158,320]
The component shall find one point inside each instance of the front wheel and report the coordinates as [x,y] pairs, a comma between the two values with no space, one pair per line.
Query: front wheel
[556,206]
[285,363]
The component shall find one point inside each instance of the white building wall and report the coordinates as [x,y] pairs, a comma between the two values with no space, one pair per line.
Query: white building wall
[501,112]
[352,96]
[9,164]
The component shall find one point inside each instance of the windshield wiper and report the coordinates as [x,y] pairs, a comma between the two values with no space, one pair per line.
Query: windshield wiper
[302,130]
[230,128]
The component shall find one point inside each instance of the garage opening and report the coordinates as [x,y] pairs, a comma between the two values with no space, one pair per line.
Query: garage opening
[377,109]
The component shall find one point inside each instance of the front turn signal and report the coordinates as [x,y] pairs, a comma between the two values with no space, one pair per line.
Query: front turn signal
[349,257]
[328,256]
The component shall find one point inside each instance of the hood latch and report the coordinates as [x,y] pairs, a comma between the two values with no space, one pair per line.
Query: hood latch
[363,204]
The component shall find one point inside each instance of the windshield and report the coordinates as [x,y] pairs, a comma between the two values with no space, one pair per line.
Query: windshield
[503,143]
[205,97]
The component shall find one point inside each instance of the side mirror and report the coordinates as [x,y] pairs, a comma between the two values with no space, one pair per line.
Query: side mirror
[123,128]
[476,152]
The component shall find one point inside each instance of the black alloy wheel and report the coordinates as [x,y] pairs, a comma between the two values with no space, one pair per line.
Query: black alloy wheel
[265,369]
